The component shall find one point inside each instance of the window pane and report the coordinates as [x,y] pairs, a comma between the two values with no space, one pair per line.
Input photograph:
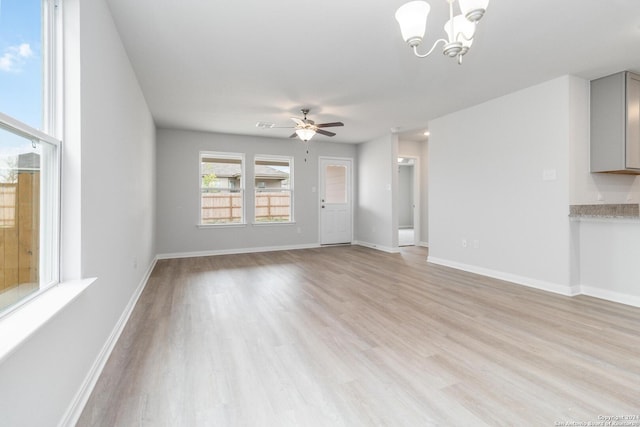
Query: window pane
[335,184]
[273,206]
[221,173]
[273,188]
[272,174]
[221,207]
[19,218]
[221,190]
[21,65]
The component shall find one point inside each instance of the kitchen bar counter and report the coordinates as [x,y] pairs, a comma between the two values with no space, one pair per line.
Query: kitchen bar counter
[628,211]
[605,251]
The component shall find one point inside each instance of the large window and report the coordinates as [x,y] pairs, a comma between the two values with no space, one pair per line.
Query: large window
[29,151]
[221,188]
[273,189]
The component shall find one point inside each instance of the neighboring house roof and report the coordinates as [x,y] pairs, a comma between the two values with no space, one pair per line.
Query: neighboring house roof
[267,172]
[229,170]
[222,170]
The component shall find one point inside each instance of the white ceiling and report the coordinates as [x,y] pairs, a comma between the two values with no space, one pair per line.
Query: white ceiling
[223,65]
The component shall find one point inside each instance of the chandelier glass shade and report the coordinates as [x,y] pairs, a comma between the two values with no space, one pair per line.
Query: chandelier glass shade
[412,18]
[460,29]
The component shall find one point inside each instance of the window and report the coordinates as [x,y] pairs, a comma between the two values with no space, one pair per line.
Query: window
[335,186]
[221,188]
[274,189]
[29,152]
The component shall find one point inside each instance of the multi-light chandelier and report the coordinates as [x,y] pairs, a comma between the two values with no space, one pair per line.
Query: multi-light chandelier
[460,29]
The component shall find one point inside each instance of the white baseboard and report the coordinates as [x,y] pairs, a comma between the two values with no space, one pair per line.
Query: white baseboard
[520,280]
[77,405]
[423,244]
[604,294]
[378,247]
[608,295]
[235,251]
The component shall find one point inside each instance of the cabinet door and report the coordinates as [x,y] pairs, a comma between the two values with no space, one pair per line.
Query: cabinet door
[633,122]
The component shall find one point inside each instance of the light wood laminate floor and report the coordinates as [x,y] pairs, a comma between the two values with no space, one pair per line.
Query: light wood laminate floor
[349,336]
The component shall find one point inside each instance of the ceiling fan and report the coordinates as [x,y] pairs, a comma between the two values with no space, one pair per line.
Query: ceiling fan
[306,128]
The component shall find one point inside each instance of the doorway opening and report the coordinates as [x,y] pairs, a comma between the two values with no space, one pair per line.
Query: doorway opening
[406,201]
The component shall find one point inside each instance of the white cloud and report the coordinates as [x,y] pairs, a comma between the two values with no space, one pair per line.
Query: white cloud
[14,57]
[24,50]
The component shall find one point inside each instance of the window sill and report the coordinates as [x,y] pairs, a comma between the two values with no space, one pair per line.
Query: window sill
[261,224]
[221,225]
[19,325]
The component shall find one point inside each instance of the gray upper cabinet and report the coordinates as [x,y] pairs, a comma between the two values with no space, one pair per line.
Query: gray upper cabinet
[615,124]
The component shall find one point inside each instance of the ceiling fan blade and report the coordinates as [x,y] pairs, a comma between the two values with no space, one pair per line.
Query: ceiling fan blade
[330,125]
[298,121]
[324,132]
[293,135]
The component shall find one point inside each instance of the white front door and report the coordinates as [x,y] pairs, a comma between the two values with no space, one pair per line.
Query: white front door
[335,201]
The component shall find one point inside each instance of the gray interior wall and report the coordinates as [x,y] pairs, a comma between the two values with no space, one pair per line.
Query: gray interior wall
[375,203]
[178,192]
[488,186]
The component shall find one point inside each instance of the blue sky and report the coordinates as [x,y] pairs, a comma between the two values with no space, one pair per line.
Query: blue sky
[21,60]
[20,75]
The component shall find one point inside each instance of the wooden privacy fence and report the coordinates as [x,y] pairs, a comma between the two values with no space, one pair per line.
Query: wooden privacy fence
[273,207]
[8,205]
[20,232]
[221,208]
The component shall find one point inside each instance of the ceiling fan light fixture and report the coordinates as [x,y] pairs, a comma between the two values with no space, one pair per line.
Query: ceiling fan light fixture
[305,134]
[305,128]
[412,18]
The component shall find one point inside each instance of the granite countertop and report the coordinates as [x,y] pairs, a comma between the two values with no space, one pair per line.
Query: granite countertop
[622,210]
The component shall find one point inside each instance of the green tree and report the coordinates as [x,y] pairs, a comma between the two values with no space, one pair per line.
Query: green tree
[209,179]
[11,170]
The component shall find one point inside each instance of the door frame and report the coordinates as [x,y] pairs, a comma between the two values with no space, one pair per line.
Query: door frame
[350,192]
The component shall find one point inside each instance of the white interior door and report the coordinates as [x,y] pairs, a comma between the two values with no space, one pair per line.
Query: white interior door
[336,213]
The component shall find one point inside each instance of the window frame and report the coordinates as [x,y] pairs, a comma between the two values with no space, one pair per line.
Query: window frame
[50,175]
[242,189]
[290,190]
